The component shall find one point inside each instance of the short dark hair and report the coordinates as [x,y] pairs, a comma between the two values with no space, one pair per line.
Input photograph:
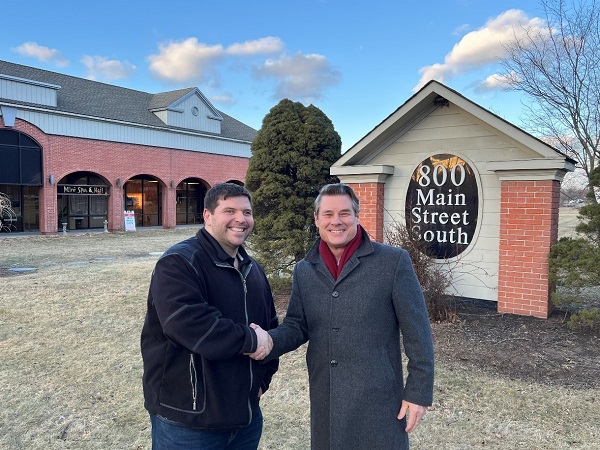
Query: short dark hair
[337,189]
[223,191]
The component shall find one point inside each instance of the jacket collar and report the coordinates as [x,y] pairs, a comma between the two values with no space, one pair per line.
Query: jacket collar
[215,250]
[365,248]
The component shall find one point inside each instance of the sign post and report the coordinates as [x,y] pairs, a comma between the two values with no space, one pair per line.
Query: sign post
[129,220]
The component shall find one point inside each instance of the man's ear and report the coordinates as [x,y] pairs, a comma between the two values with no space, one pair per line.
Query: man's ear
[206,216]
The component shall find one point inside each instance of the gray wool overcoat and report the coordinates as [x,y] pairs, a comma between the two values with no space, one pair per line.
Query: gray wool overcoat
[353,325]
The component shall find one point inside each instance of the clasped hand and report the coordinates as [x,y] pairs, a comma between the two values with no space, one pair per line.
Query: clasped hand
[265,343]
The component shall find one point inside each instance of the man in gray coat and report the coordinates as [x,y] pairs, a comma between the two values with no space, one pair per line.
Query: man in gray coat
[355,301]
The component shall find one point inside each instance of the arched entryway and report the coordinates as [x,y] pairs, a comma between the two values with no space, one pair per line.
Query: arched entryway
[142,194]
[190,201]
[82,201]
[20,180]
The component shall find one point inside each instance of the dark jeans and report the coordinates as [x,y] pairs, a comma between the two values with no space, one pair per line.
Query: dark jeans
[169,435]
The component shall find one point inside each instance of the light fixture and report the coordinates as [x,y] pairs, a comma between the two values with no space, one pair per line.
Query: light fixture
[51,180]
[118,182]
[172,183]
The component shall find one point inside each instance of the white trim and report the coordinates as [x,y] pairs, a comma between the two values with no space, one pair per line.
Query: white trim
[118,122]
[362,174]
[531,175]
[32,82]
[361,170]
[531,164]
[9,114]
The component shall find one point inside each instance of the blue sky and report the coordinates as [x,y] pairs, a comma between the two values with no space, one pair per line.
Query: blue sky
[356,61]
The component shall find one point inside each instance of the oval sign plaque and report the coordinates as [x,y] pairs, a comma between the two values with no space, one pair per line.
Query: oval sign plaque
[442,205]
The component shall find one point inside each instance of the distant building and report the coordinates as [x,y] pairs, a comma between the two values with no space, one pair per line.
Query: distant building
[77,153]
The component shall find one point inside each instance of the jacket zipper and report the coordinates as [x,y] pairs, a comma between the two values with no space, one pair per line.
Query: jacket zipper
[243,276]
[193,381]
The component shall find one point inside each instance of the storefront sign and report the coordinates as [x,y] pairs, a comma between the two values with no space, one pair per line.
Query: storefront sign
[129,220]
[442,205]
[79,189]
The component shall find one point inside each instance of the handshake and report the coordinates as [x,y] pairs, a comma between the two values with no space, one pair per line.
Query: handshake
[264,346]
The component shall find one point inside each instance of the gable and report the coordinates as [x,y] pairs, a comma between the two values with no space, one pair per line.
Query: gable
[191,110]
[438,119]
[451,130]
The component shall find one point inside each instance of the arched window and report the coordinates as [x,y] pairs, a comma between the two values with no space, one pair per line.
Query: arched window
[21,159]
[20,179]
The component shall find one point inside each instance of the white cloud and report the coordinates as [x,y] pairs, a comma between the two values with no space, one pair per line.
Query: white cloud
[267,45]
[102,68]
[461,29]
[223,99]
[185,61]
[193,61]
[480,47]
[495,82]
[34,50]
[300,77]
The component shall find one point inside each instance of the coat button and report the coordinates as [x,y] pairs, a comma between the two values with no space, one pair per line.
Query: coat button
[335,329]
[335,294]
[334,363]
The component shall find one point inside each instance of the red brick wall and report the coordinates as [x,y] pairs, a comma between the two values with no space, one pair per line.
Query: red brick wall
[528,228]
[370,196]
[112,160]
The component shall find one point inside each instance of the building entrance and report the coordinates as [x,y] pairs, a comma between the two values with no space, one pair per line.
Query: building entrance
[142,196]
[190,202]
[82,201]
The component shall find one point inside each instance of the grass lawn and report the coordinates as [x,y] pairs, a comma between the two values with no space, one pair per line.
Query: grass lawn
[71,368]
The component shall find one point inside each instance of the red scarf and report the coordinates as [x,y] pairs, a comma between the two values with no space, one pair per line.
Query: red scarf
[329,259]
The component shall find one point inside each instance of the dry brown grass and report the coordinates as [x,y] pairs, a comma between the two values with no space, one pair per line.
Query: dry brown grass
[71,368]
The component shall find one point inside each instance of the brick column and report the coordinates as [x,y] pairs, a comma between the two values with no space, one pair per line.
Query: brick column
[48,214]
[169,215]
[528,228]
[370,196]
[116,218]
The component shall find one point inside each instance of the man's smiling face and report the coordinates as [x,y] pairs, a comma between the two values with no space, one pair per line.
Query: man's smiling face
[230,223]
[336,221]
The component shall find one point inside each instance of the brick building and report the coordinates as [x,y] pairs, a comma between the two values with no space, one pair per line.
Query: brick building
[77,153]
[481,192]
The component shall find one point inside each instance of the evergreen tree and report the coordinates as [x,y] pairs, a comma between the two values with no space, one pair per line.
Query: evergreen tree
[575,265]
[291,157]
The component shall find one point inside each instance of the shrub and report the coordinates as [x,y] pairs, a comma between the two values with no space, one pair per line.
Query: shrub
[435,278]
[280,283]
[586,319]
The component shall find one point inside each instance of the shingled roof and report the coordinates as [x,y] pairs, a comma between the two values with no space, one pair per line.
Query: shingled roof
[96,99]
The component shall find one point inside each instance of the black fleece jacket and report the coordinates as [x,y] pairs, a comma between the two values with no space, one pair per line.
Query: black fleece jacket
[196,333]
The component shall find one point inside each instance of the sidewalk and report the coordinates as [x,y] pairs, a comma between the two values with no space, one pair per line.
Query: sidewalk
[21,234]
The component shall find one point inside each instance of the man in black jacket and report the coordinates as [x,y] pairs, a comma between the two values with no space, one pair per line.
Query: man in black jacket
[200,387]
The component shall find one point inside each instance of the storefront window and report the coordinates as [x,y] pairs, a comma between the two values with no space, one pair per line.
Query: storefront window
[20,180]
[190,202]
[22,208]
[142,196]
[82,211]
[31,208]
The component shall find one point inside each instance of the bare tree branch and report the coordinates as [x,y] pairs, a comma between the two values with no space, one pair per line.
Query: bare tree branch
[557,66]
